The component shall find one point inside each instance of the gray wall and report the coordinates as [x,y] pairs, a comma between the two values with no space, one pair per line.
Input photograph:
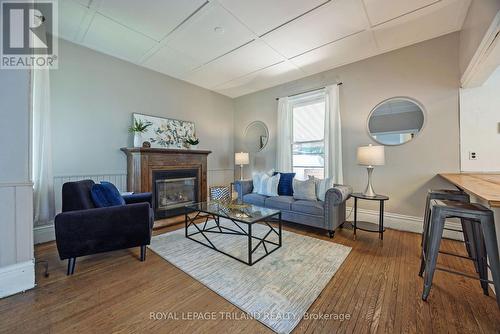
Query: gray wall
[16,192]
[94,96]
[427,72]
[477,22]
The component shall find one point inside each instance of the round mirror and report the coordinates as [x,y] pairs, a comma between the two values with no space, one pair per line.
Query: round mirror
[256,136]
[396,121]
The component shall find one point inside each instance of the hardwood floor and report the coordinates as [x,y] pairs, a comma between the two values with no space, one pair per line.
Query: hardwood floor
[377,287]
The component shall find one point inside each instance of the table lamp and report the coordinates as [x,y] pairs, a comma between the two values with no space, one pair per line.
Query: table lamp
[241,159]
[370,156]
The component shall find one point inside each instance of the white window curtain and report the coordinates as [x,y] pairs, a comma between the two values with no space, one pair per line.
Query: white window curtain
[43,201]
[284,136]
[333,136]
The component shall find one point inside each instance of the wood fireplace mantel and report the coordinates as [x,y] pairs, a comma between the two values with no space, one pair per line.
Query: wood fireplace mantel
[143,162]
[128,150]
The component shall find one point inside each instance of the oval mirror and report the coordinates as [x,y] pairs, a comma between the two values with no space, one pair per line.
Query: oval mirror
[256,136]
[396,121]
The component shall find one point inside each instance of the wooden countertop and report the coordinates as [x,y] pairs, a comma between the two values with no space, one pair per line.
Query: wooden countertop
[484,186]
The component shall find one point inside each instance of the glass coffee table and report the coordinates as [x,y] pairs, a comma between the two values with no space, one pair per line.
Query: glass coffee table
[238,220]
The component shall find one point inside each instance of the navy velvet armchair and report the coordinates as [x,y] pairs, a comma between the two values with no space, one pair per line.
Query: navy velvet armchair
[82,229]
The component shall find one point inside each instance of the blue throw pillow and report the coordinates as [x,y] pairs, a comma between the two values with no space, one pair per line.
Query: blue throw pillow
[285,187]
[106,194]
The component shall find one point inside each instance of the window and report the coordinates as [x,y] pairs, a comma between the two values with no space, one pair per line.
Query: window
[308,147]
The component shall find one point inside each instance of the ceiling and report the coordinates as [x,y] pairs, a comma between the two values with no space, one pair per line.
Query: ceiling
[236,47]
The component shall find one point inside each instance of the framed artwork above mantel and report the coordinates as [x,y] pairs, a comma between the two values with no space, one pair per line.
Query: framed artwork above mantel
[166,132]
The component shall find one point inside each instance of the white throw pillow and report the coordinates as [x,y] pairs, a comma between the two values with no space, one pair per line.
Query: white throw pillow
[305,190]
[257,180]
[322,186]
[269,185]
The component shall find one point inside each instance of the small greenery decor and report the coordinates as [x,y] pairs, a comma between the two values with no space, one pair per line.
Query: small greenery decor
[139,126]
[192,141]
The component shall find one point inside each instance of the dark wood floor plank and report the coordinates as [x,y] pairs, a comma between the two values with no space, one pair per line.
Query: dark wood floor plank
[353,293]
[460,314]
[381,265]
[384,274]
[377,286]
[367,288]
[422,309]
[342,304]
[388,307]
[471,291]
[406,317]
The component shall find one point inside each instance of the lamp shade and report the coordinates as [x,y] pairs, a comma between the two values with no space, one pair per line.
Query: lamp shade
[371,155]
[241,158]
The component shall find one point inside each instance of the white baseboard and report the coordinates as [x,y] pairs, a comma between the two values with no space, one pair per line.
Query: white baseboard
[44,233]
[394,221]
[16,278]
[402,222]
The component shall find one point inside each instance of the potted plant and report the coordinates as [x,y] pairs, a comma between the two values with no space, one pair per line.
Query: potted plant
[138,128]
[193,142]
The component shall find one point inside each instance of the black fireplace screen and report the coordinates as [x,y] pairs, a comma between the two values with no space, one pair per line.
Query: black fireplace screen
[175,193]
[173,190]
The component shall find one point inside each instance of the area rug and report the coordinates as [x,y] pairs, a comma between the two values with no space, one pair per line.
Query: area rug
[276,291]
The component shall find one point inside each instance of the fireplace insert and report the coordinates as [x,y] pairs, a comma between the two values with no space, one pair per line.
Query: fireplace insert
[173,189]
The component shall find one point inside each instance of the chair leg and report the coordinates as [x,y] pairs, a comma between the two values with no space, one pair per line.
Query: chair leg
[71,266]
[480,252]
[143,253]
[423,253]
[422,264]
[491,243]
[437,225]
[426,220]
[425,236]
[467,228]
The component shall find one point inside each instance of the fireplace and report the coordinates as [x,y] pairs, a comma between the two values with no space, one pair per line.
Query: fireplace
[176,177]
[172,190]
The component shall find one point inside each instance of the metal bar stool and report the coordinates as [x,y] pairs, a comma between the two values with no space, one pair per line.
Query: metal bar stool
[452,195]
[482,225]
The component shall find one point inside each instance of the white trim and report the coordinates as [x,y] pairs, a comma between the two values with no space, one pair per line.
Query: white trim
[16,278]
[481,66]
[402,222]
[16,184]
[107,173]
[44,233]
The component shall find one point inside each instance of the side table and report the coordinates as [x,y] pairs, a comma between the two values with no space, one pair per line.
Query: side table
[367,226]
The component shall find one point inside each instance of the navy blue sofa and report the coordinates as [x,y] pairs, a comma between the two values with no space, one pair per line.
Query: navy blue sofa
[82,229]
[328,214]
